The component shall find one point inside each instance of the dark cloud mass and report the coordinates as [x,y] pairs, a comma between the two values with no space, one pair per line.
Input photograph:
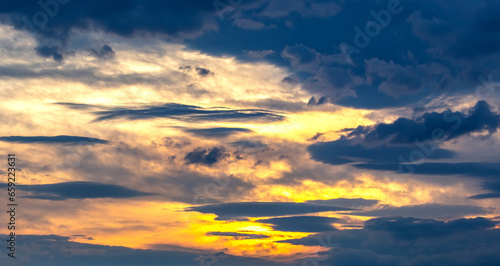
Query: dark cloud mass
[450,125]
[412,228]
[409,241]
[53,21]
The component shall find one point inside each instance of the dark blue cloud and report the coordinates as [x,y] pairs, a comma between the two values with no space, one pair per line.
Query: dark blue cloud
[393,146]
[62,139]
[424,128]
[409,241]
[412,228]
[228,211]
[105,52]
[431,211]
[52,22]
[217,132]
[79,190]
[204,71]
[427,49]
[301,223]
[343,151]
[487,195]
[205,156]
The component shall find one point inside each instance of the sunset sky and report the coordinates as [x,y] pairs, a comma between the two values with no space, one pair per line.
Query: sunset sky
[251,132]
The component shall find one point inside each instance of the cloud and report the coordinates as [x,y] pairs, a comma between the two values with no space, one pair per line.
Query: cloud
[409,241]
[205,156]
[321,100]
[217,132]
[476,39]
[105,52]
[427,50]
[229,211]
[431,211]
[301,56]
[486,196]
[450,125]
[53,22]
[400,80]
[62,139]
[388,142]
[189,113]
[80,190]
[412,228]
[343,151]
[301,223]
[203,71]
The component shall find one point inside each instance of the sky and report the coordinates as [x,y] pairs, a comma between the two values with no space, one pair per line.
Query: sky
[251,132]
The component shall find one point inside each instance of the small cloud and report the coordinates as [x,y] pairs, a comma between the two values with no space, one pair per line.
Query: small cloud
[320,101]
[205,156]
[105,52]
[203,71]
